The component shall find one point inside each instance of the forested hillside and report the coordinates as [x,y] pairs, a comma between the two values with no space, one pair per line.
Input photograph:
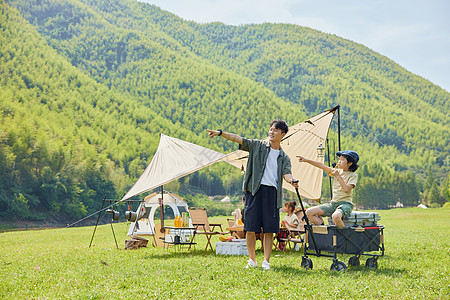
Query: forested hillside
[67,141]
[87,86]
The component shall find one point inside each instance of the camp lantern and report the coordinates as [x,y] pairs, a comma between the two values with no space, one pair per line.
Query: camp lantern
[321,150]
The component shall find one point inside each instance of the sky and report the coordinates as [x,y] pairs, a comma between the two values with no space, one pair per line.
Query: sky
[413,33]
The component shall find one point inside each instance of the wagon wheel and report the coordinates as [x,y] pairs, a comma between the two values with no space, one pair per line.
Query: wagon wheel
[372,263]
[354,261]
[338,266]
[307,263]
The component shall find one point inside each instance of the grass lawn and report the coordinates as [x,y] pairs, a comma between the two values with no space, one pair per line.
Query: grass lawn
[49,264]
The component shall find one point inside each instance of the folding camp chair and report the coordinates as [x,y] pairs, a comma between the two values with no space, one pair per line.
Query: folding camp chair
[297,238]
[200,222]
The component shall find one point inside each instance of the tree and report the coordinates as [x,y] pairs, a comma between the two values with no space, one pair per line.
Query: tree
[19,207]
[432,194]
[445,190]
[406,189]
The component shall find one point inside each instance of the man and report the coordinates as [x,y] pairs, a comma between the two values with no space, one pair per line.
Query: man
[267,165]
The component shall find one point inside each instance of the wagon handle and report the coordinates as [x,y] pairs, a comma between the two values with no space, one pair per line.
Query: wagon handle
[306,219]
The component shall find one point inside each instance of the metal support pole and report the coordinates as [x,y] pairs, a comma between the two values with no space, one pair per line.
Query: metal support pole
[329,177]
[161,207]
[339,126]
[112,228]
[98,219]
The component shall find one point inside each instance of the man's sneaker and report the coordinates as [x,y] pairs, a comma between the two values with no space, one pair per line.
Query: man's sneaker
[251,264]
[265,265]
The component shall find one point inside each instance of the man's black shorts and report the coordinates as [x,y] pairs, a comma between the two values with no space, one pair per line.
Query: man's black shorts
[261,211]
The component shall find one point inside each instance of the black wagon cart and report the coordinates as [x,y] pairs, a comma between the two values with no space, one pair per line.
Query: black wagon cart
[361,236]
[329,241]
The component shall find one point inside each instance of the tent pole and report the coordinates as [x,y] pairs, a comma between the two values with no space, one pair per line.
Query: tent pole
[161,209]
[114,234]
[339,126]
[329,164]
[98,219]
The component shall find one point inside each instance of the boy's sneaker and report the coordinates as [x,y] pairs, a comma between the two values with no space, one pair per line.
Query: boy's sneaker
[251,264]
[265,265]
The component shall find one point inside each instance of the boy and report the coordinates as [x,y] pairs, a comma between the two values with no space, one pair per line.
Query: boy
[344,182]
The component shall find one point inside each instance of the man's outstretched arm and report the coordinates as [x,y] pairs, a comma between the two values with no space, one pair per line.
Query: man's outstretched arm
[229,136]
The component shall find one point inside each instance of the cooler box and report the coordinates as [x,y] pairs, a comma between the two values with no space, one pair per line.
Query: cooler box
[360,218]
[346,240]
[232,248]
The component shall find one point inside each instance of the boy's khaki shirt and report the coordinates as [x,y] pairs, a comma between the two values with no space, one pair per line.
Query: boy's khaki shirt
[349,178]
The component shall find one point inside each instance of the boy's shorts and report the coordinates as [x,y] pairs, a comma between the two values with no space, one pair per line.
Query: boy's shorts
[329,208]
[261,211]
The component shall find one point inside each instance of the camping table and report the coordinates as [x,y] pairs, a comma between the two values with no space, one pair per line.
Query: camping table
[176,236]
[235,229]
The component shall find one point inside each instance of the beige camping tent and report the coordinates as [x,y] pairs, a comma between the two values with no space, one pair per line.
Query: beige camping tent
[145,225]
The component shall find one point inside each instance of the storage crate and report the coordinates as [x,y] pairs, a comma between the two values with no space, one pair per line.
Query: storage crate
[231,248]
[360,218]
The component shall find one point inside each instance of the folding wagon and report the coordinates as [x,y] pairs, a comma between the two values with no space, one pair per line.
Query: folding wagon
[329,241]
[361,236]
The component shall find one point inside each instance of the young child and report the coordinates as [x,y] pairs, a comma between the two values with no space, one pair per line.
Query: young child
[344,182]
[290,221]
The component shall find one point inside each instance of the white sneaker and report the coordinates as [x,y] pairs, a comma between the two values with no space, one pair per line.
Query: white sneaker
[265,265]
[251,264]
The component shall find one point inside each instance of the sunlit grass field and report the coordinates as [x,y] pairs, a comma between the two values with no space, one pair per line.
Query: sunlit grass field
[58,264]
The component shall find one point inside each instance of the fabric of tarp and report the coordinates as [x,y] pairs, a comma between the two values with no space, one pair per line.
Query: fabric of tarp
[176,158]
[302,139]
[168,198]
[173,159]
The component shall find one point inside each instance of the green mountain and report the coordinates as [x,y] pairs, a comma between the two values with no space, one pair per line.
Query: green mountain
[87,86]
[66,139]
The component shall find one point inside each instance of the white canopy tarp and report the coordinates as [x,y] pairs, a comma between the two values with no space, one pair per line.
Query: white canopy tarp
[302,139]
[173,159]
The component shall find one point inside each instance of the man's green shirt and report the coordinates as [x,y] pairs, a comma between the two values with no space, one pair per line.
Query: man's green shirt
[258,153]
